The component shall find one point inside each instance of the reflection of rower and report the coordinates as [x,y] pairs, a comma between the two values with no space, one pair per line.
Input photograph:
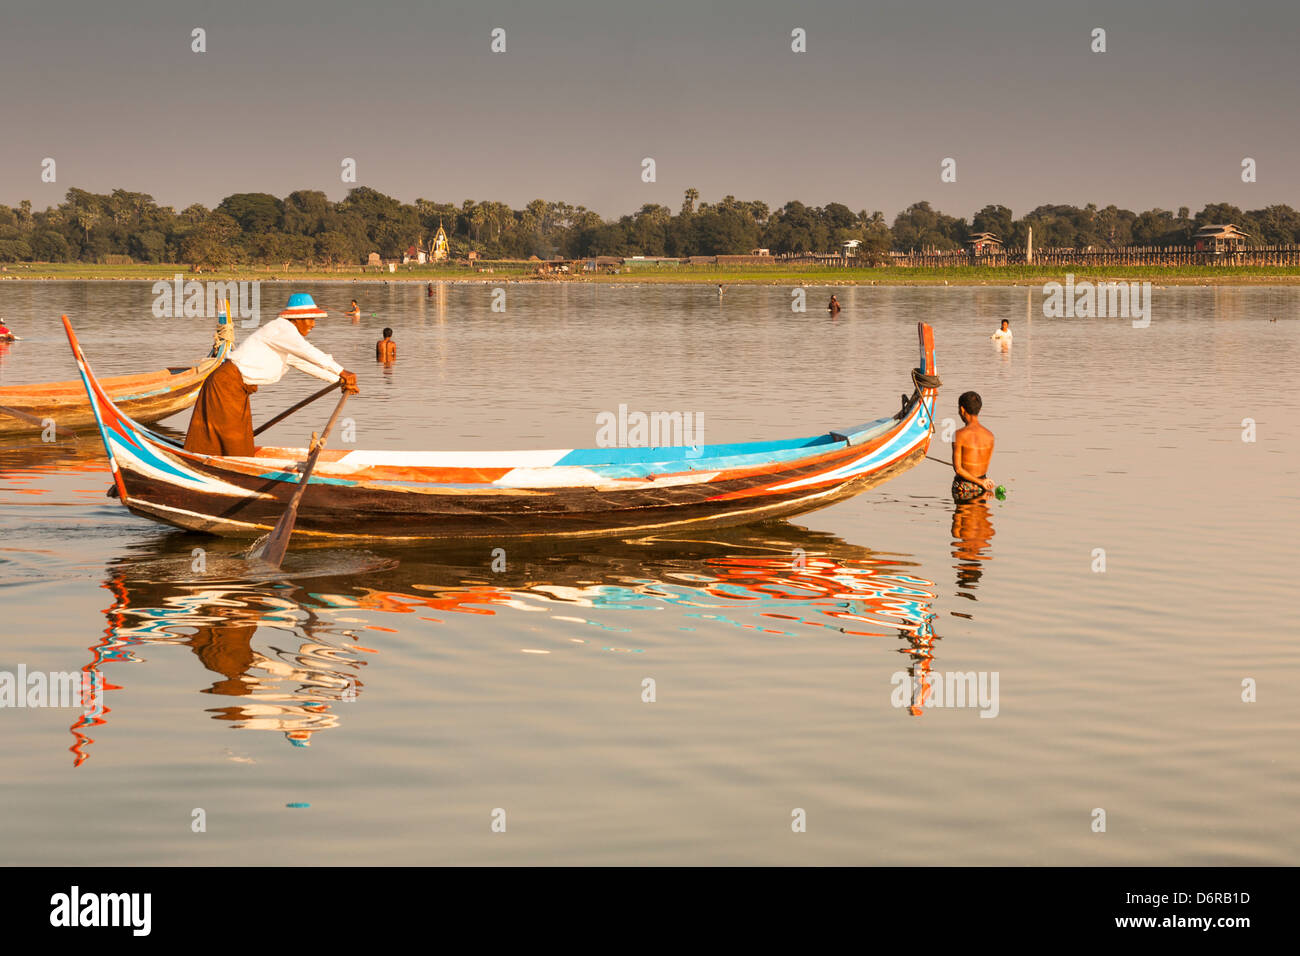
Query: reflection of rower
[291,691]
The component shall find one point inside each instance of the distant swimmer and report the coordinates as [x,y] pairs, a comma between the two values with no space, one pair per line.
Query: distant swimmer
[972,450]
[719,290]
[5,334]
[429,291]
[354,313]
[386,348]
[1003,335]
[833,307]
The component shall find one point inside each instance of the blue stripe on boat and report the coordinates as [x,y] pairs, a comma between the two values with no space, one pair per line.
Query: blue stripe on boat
[640,462]
[587,457]
[291,477]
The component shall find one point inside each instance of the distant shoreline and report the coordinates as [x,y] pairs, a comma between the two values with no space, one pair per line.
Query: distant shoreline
[681,275]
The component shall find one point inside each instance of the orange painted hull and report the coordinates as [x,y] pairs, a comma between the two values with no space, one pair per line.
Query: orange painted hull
[147,397]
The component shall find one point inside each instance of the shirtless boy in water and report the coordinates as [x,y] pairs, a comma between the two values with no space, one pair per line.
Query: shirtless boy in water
[386,348]
[972,449]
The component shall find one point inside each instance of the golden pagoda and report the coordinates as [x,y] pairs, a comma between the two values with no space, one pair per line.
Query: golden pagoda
[441,250]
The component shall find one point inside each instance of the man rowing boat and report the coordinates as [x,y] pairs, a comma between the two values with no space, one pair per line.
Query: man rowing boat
[222,423]
[972,450]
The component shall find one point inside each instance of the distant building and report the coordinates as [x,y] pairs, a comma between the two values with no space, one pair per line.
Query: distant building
[374,260]
[760,252]
[850,247]
[1219,239]
[984,243]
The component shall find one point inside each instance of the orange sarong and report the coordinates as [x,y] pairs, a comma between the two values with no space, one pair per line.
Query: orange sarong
[222,423]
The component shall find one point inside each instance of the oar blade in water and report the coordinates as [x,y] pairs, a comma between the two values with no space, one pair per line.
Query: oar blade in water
[277,542]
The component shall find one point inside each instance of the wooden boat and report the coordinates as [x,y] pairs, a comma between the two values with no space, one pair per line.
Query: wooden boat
[147,397]
[495,496]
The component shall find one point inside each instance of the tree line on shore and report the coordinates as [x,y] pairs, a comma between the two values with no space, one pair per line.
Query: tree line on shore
[306,227]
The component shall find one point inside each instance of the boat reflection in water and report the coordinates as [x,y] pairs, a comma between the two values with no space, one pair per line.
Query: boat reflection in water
[288,652]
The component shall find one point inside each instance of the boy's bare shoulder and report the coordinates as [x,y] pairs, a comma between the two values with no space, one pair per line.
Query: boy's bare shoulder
[972,435]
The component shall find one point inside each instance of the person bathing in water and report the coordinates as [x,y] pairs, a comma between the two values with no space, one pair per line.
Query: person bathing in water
[972,450]
[833,307]
[354,313]
[1003,335]
[5,334]
[386,348]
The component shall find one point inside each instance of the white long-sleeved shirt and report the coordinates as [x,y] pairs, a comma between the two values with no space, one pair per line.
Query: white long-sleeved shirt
[263,357]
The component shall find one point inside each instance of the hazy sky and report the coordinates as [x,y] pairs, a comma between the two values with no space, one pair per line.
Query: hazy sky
[710,90]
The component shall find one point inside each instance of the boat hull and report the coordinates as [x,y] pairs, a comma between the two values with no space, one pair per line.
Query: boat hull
[332,513]
[501,496]
[146,398]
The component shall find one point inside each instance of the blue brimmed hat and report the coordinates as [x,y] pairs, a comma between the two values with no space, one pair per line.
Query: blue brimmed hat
[302,306]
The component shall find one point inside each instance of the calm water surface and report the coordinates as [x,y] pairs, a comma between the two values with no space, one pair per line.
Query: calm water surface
[404,695]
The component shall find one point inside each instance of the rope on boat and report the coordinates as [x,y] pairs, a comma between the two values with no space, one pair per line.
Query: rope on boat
[923,380]
[225,334]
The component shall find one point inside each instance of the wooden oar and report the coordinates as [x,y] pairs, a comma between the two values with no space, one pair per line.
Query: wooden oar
[289,411]
[277,542]
[38,422]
